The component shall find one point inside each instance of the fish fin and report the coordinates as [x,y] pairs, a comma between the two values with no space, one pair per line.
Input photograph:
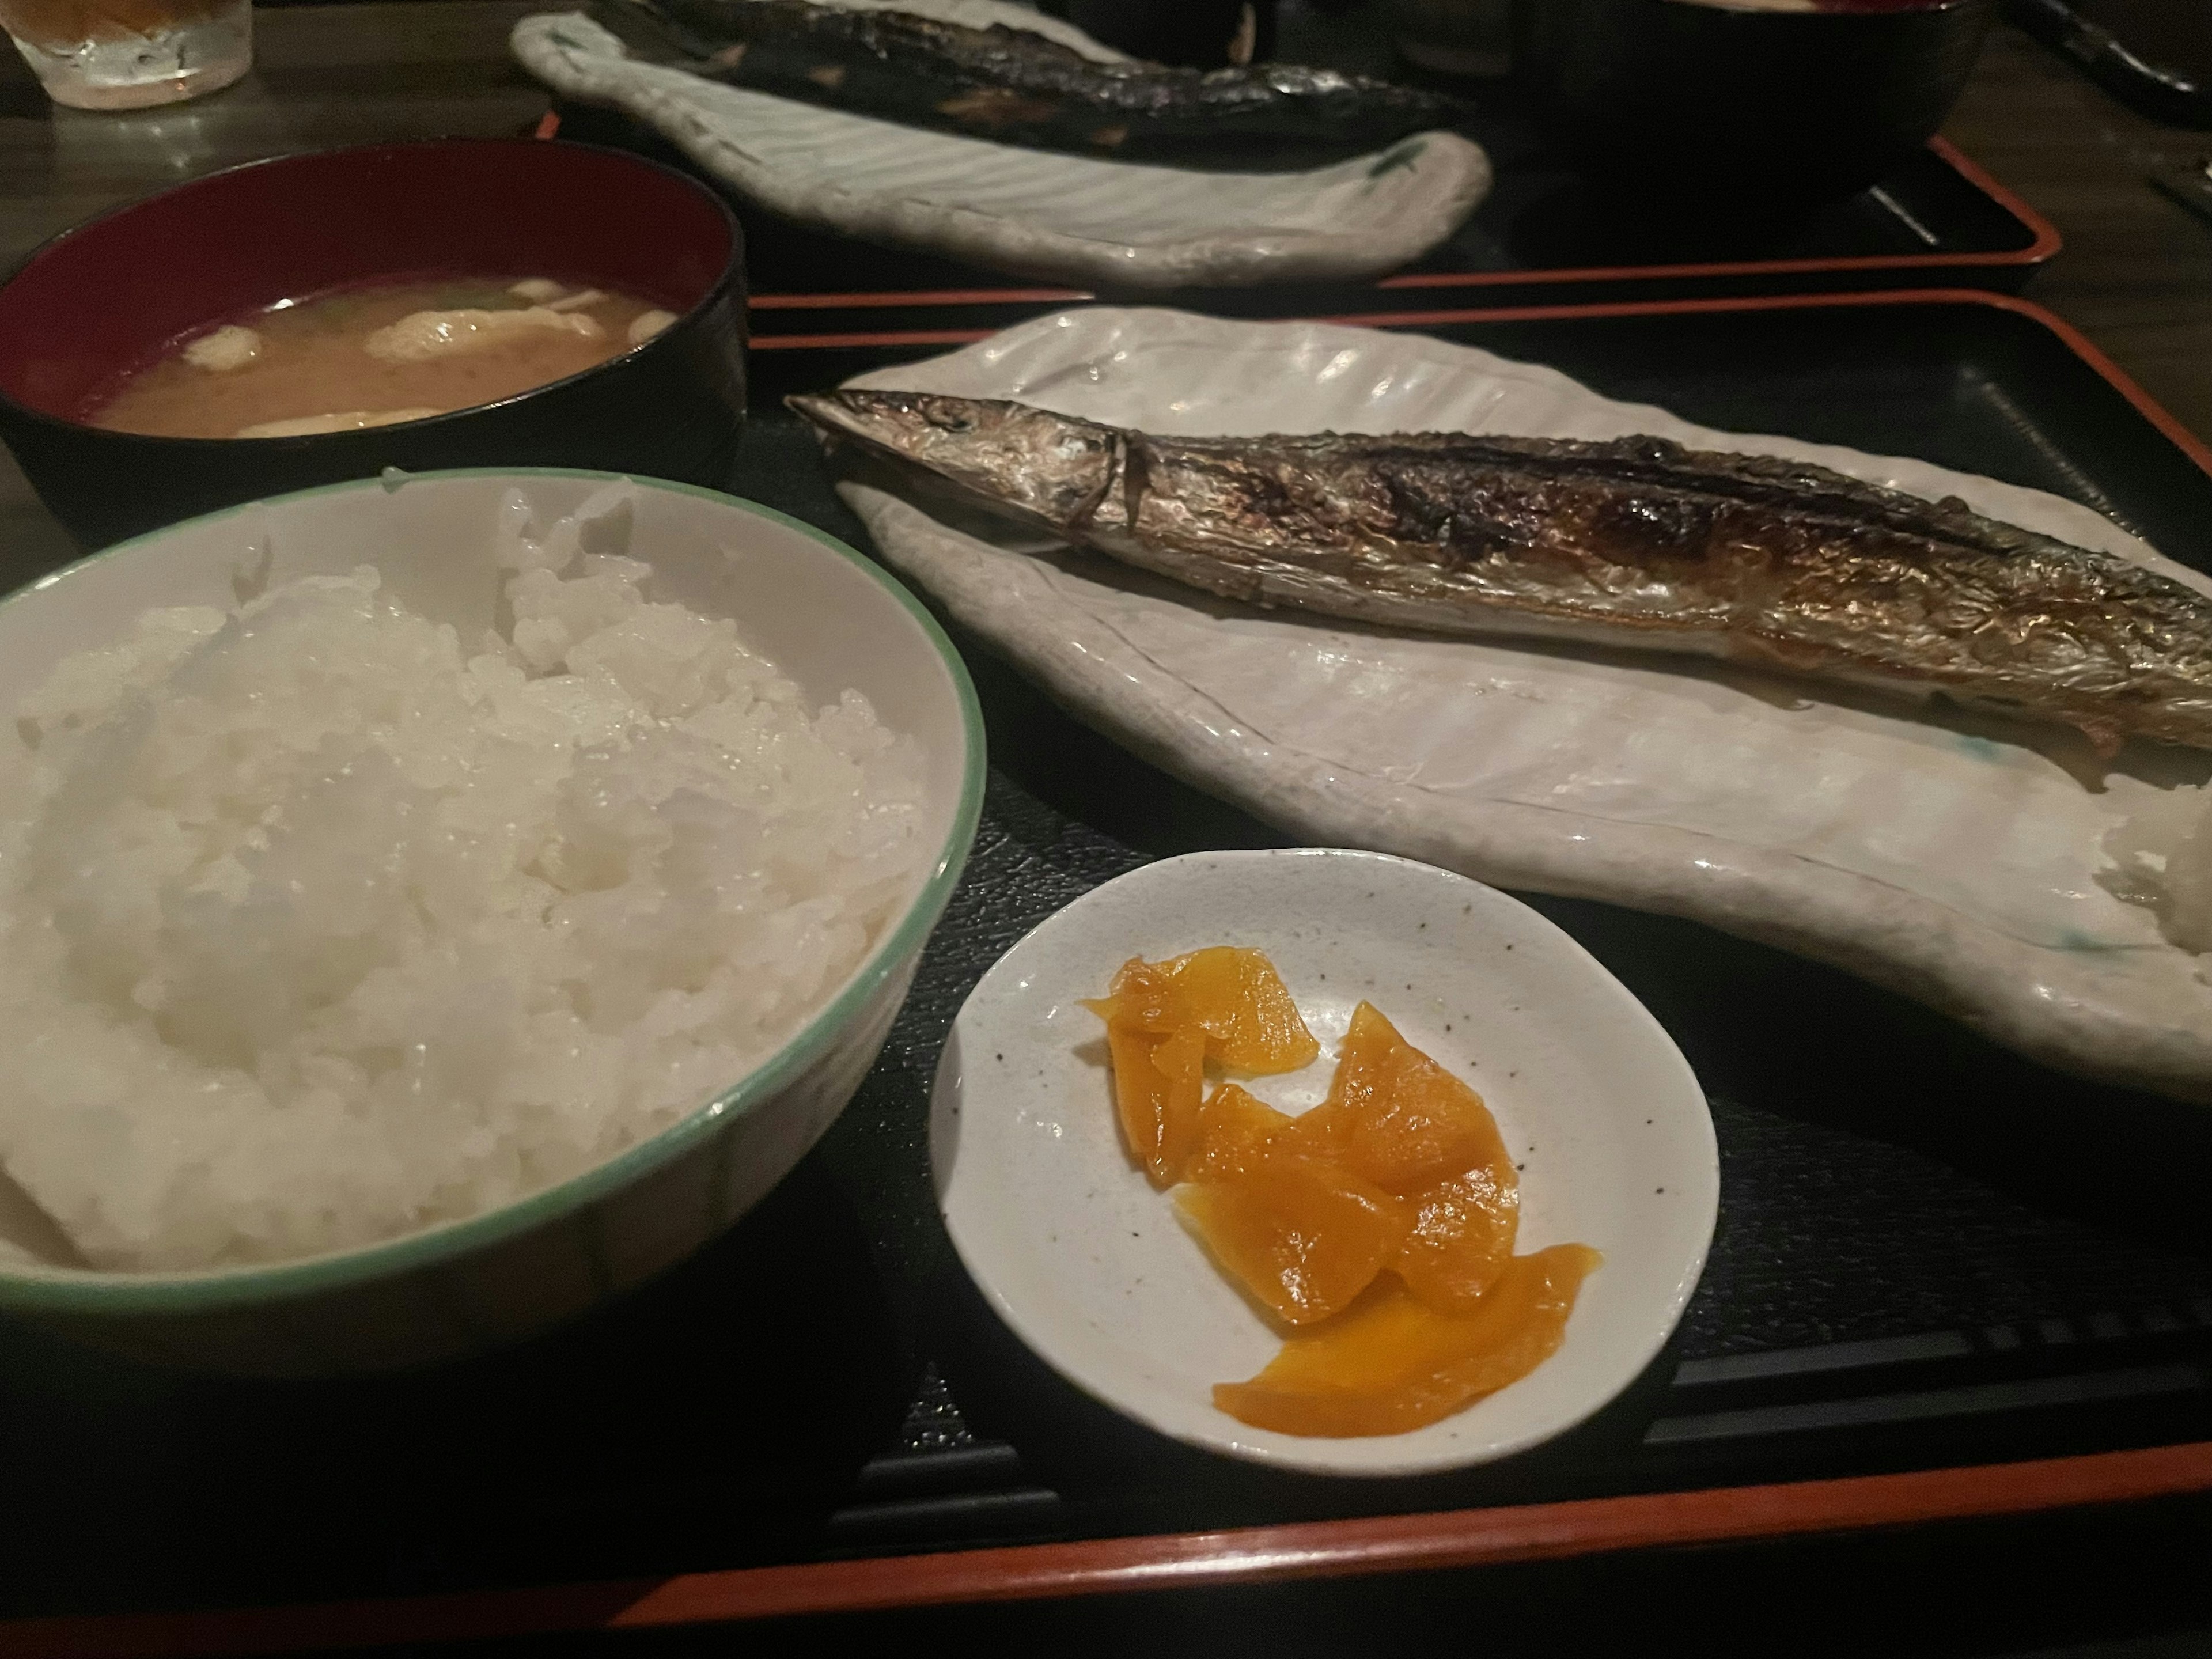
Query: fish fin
[2105,735]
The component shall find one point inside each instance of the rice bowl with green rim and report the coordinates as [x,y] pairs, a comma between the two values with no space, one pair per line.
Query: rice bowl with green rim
[825,616]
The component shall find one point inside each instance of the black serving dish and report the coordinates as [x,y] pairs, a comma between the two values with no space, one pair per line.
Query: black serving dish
[112,295]
[1946,1283]
[1537,243]
[1545,235]
[1703,110]
[1546,232]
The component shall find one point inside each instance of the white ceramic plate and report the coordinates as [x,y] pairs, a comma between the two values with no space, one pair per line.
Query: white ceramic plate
[1063,218]
[1954,862]
[1088,1263]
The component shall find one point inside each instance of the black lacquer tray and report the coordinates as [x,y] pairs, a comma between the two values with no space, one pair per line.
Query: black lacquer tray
[1945,1283]
[1541,236]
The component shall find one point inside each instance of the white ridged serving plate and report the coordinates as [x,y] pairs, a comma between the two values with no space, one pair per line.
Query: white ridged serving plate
[1064,218]
[1951,860]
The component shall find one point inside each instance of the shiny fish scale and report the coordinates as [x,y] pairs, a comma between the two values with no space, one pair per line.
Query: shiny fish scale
[1632,541]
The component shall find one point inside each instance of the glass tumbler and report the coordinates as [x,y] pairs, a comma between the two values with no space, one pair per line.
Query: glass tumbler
[129,54]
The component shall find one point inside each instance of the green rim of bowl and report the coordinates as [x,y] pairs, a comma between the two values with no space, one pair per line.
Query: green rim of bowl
[98,1292]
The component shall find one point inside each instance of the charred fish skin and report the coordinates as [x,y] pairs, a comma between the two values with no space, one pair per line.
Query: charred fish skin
[1630,542]
[1019,87]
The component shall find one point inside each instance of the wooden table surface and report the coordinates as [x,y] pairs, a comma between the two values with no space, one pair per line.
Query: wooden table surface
[2136,274]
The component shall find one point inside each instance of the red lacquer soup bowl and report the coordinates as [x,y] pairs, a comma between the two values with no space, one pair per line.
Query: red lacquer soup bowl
[115,294]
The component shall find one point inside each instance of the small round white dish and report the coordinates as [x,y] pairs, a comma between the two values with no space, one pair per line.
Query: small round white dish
[1090,1267]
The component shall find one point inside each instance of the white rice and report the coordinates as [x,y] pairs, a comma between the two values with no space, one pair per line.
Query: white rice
[316,928]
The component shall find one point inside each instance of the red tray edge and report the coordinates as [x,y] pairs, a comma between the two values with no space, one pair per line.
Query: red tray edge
[1254,1555]
[2045,242]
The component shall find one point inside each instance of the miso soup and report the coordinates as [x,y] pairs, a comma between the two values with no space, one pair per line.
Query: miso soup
[373,356]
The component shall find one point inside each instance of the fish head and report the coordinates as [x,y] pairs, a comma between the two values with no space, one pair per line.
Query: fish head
[1052,469]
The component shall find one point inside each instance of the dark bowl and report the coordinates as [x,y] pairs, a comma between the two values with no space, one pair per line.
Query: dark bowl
[113,294]
[1718,114]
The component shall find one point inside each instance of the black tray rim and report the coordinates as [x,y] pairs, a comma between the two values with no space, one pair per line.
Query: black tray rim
[1427,1541]
[2045,242]
[1182,1562]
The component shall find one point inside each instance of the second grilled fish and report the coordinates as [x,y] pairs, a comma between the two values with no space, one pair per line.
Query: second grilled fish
[1635,542]
[1021,87]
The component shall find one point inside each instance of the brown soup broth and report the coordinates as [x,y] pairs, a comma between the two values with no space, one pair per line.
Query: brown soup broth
[313,360]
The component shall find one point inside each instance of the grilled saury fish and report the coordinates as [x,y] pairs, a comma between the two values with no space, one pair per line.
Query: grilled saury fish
[1020,86]
[1633,541]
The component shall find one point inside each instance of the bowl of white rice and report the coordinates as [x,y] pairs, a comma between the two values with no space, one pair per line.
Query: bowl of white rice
[430,906]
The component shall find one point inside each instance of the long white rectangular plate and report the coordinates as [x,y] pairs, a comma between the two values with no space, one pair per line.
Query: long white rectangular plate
[1947,857]
[1063,218]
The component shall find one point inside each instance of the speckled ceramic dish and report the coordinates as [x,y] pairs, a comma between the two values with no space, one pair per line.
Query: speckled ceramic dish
[1089,1265]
